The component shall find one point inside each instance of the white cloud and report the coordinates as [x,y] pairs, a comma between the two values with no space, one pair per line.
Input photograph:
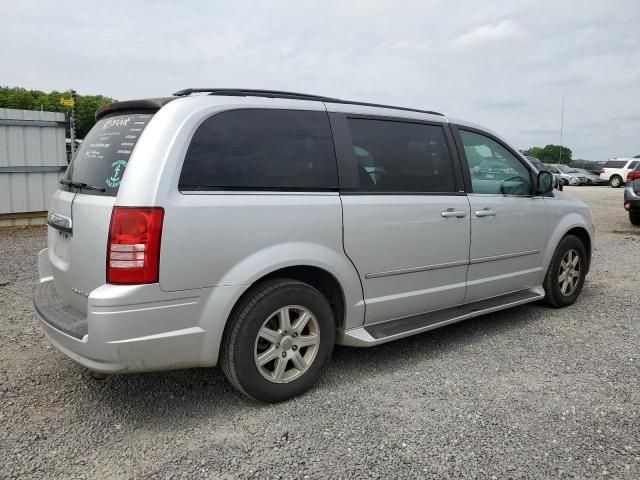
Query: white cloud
[509,69]
[491,33]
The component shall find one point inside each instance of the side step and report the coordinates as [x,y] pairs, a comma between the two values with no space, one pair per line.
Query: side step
[370,335]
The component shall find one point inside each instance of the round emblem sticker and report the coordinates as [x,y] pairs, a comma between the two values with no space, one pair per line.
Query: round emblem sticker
[116,175]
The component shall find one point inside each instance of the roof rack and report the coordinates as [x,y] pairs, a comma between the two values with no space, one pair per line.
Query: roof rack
[242,92]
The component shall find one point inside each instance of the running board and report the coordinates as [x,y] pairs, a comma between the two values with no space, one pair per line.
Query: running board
[370,335]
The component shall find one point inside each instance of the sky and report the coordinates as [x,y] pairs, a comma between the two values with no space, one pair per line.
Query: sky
[504,64]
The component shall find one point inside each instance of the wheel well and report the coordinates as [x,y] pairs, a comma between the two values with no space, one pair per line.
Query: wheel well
[584,237]
[319,279]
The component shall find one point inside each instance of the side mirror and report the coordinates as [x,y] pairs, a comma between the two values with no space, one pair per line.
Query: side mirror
[545,183]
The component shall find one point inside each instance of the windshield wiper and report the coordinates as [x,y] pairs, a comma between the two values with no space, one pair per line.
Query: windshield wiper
[81,185]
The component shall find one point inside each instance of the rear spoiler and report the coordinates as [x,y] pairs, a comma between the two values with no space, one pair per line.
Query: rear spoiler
[144,105]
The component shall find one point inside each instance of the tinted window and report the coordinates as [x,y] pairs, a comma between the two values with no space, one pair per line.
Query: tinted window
[400,157]
[105,152]
[615,164]
[632,165]
[257,149]
[494,170]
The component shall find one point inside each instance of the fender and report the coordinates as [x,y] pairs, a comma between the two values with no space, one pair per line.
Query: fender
[235,282]
[567,222]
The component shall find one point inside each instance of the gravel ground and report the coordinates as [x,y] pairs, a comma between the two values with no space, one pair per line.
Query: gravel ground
[526,393]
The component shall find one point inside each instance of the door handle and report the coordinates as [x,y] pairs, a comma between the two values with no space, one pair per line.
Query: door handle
[486,212]
[452,212]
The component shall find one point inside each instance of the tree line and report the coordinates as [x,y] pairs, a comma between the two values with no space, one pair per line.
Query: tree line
[86,105]
[550,154]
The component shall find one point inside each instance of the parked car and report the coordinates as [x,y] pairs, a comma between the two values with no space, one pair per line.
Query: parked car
[632,195]
[567,178]
[241,227]
[591,178]
[572,172]
[591,166]
[615,170]
[557,180]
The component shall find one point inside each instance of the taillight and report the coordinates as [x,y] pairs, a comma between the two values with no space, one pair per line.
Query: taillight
[133,248]
[633,175]
[627,204]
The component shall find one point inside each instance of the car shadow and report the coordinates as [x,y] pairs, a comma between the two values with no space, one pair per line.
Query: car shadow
[183,395]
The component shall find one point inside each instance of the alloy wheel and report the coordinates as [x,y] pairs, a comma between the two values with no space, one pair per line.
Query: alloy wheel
[287,344]
[569,273]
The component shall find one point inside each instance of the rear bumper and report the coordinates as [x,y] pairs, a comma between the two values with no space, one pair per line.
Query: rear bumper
[105,340]
[134,328]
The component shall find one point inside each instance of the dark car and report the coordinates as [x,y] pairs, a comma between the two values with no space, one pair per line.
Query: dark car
[557,181]
[632,195]
[590,166]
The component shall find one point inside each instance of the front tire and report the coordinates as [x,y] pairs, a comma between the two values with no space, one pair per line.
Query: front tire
[615,181]
[634,218]
[279,340]
[565,277]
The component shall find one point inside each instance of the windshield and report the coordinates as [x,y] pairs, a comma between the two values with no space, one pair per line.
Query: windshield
[105,152]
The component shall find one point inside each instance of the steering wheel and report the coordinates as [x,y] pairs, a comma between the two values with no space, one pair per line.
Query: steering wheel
[519,189]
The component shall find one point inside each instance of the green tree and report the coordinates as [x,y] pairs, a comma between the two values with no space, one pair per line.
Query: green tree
[86,105]
[637,156]
[550,154]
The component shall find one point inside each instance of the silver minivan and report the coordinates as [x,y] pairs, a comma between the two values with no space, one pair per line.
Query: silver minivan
[256,229]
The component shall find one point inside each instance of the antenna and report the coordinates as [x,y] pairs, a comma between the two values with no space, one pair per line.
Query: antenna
[561,127]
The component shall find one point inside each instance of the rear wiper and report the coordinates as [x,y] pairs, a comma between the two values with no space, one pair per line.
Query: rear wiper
[81,185]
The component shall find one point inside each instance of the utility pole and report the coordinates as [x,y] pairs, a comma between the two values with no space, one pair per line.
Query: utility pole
[72,123]
[561,127]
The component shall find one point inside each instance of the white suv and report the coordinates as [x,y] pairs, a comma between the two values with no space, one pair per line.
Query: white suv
[257,229]
[615,171]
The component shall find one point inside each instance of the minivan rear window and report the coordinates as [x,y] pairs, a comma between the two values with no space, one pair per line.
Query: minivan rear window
[105,152]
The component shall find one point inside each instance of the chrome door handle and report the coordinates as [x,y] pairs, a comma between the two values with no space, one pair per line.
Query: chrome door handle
[486,212]
[452,212]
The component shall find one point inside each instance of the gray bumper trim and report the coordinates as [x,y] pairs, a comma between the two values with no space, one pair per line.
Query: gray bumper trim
[55,312]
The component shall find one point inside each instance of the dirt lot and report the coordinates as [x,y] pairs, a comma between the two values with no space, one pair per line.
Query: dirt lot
[526,393]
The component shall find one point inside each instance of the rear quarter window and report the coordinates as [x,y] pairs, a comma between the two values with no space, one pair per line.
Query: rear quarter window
[261,149]
[615,164]
[105,152]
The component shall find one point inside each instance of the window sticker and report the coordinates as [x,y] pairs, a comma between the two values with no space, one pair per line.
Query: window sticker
[116,175]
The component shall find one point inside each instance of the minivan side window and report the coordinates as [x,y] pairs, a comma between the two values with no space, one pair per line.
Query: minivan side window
[257,149]
[493,168]
[400,157]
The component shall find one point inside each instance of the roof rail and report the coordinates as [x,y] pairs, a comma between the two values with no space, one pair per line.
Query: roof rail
[242,92]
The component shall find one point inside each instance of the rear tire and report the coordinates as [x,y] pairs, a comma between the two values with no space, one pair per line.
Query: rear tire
[634,218]
[565,276]
[267,353]
[615,181]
